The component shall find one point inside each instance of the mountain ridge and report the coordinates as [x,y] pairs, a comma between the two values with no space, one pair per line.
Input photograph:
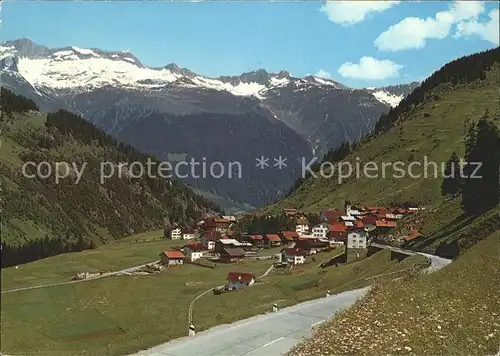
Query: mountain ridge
[115,91]
[26,48]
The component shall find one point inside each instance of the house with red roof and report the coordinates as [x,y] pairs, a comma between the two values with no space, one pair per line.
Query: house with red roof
[238,280]
[384,226]
[194,250]
[289,236]
[209,238]
[332,215]
[369,222]
[170,258]
[358,224]
[217,224]
[337,231]
[255,240]
[187,233]
[271,240]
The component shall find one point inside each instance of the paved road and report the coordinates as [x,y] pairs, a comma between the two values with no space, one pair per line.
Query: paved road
[396,249]
[117,273]
[436,262]
[267,335]
[264,335]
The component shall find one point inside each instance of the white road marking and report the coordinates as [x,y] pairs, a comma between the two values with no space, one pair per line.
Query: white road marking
[319,322]
[271,342]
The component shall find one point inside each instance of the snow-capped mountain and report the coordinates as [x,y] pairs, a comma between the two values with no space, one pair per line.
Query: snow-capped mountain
[76,70]
[172,109]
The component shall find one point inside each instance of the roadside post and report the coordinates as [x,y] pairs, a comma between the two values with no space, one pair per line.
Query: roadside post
[328,293]
[275,307]
[191,331]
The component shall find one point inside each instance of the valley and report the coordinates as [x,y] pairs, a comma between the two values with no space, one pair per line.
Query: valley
[116,312]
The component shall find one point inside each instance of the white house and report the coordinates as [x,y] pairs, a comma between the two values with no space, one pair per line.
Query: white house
[194,255]
[350,211]
[321,230]
[357,238]
[237,280]
[187,233]
[194,251]
[302,229]
[175,233]
[295,256]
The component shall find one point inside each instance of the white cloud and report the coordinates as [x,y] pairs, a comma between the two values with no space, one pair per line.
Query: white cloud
[323,74]
[349,13]
[413,32]
[465,10]
[488,31]
[370,68]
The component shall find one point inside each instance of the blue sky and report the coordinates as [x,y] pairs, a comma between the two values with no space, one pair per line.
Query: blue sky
[401,42]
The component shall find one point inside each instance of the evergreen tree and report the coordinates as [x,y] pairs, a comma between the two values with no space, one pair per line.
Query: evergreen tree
[480,189]
[10,102]
[451,180]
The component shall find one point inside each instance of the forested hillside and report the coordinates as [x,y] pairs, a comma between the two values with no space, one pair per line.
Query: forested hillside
[430,124]
[42,217]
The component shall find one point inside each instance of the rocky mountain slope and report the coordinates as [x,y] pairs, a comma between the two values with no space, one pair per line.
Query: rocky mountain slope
[119,94]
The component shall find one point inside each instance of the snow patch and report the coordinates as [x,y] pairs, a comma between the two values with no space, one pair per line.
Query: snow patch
[63,54]
[72,72]
[242,89]
[7,51]
[84,51]
[65,70]
[322,81]
[388,98]
[279,82]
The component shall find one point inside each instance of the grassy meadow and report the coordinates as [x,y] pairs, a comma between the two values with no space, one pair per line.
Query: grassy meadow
[123,314]
[111,257]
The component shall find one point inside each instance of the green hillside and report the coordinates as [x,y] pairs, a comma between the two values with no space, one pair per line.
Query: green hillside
[454,311]
[41,217]
[432,122]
